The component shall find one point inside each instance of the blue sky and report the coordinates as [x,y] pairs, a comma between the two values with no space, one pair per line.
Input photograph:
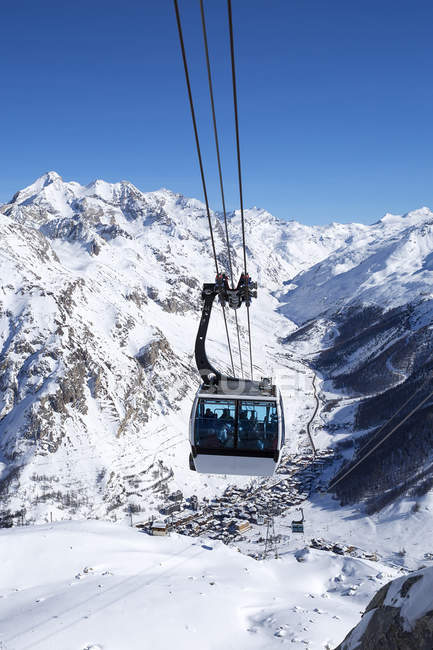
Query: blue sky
[335,100]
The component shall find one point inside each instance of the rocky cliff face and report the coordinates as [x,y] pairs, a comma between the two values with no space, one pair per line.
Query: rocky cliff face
[76,385]
[399,617]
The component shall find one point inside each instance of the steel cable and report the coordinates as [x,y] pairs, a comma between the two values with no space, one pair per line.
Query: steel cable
[215,129]
[385,424]
[203,180]
[235,104]
[378,444]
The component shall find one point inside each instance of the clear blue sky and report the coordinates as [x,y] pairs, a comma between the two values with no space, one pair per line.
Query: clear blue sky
[335,99]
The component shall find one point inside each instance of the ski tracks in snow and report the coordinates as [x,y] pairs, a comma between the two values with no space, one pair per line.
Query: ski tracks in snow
[41,634]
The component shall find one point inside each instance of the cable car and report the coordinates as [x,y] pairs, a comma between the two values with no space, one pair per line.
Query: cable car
[237,432]
[298,524]
[236,425]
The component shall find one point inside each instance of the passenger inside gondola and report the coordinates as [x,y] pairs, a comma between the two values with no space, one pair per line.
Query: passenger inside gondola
[226,417]
[258,426]
[215,424]
[248,425]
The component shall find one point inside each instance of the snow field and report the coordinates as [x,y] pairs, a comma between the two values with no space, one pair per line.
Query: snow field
[80,585]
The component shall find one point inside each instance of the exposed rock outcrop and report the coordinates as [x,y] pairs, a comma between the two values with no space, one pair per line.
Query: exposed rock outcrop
[399,617]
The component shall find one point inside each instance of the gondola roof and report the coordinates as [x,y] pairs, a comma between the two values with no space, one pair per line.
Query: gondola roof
[240,389]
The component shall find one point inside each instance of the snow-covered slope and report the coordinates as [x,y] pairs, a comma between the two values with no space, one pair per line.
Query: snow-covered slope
[97,586]
[366,323]
[99,305]
[389,264]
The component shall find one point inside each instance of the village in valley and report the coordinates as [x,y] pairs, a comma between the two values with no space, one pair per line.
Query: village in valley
[246,517]
[244,514]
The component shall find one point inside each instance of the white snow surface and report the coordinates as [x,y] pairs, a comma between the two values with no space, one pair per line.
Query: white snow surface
[112,269]
[82,585]
[411,595]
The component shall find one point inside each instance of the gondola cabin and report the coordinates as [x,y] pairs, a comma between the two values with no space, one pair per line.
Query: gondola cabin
[298,524]
[237,428]
[297,528]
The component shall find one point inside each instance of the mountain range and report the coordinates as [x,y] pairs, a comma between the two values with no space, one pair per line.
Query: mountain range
[99,305]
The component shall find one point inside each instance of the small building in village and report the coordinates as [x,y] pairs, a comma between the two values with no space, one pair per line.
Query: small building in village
[176,496]
[171,508]
[159,528]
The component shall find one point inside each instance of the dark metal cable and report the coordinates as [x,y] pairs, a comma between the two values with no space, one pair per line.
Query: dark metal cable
[235,103]
[378,444]
[197,142]
[194,123]
[381,428]
[239,343]
[228,341]
[249,339]
[385,424]
[215,129]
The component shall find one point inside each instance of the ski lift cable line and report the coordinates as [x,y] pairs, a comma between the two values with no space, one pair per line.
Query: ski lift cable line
[239,344]
[200,161]
[215,128]
[238,152]
[397,426]
[235,106]
[228,340]
[385,424]
[194,123]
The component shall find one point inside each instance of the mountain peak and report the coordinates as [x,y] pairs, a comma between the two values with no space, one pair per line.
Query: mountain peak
[414,216]
[44,180]
[31,190]
[50,177]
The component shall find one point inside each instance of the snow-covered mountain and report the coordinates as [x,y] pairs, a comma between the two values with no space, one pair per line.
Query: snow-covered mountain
[100,291]
[388,264]
[99,303]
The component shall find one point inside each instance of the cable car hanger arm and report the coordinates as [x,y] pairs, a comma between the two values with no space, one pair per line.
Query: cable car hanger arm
[243,293]
[207,372]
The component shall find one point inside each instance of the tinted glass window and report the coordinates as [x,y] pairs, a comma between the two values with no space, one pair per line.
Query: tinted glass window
[215,424]
[257,425]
